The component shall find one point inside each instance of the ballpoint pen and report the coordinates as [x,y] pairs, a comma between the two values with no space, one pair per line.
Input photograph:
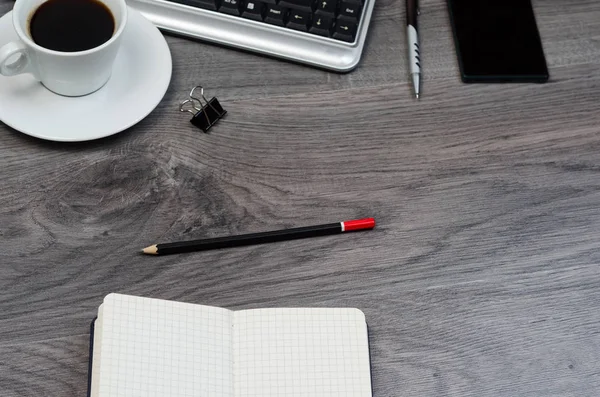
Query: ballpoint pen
[412,11]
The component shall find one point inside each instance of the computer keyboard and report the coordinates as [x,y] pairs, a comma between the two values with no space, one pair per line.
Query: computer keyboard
[329,34]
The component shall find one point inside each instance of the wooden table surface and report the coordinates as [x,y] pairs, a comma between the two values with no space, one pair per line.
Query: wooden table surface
[480,279]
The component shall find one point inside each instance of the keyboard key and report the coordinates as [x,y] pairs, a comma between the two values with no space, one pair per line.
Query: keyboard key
[322,26]
[254,10]
[326,8]
[275,15]
[297,5]
[349,11]
[231,7]
[345,31]
[299,20]
[206,4]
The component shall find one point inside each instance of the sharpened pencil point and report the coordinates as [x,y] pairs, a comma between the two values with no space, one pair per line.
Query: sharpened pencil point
[152,250]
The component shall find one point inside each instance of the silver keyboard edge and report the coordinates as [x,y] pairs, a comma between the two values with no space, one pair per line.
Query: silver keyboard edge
[256,36]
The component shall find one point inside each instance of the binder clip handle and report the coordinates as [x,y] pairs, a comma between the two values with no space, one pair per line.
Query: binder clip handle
[205,113]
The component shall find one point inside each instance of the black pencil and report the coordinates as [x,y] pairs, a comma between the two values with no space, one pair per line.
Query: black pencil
[259,238]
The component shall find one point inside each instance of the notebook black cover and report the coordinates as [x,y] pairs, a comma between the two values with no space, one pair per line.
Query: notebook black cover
[92,324]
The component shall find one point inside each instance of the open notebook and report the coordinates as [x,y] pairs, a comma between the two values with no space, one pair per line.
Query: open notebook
[151,347]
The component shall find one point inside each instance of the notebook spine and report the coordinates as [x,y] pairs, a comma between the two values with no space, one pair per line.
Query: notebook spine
[91,357]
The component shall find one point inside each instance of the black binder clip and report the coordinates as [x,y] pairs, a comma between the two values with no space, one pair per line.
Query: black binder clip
[206,113]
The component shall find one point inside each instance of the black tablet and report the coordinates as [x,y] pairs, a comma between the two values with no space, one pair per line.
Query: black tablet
[497,41]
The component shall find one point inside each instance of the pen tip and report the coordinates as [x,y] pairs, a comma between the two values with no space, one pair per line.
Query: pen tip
[417,96]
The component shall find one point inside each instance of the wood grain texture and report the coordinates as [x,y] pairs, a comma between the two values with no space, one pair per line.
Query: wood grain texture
[481,278]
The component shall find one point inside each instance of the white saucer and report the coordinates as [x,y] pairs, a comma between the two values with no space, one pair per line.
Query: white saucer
[140,78]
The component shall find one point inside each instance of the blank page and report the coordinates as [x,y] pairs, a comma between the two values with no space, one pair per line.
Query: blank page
[151,347]
[301,353]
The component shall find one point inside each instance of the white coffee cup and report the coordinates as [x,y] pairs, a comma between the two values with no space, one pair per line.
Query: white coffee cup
[65,73]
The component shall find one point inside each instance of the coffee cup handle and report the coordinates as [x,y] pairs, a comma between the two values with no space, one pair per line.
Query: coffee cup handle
[15,59]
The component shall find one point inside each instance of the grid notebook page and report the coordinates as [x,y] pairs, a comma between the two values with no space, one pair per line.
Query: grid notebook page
[158,348]
[301,353]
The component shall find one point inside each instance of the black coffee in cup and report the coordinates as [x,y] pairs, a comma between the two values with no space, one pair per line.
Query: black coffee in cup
[71,25]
